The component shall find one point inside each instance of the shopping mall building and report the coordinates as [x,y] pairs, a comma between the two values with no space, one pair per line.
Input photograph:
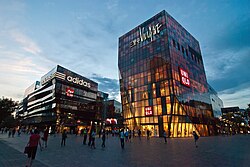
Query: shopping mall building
[61,99]
[162,79]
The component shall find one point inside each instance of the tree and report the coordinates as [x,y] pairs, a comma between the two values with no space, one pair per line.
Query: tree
[7,107]
[248,110]
[248,114]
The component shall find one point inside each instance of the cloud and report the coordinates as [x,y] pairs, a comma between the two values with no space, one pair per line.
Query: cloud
[87,46]
[234,36]
[227,59]
[26,43]
[83,37]
[17,74]
[108,85]
[24,66]
[11,14]
[112,4]
[19,58]
[228,73]
[231,96]
[18,71]
[227,64]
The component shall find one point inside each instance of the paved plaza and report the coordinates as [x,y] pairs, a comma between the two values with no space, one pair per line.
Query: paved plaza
[212,151]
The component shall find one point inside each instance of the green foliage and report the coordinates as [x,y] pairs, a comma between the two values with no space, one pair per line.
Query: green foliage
[248,108]
[248,111]
[7,107]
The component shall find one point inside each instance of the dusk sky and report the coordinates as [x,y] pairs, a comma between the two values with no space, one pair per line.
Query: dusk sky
[82,35]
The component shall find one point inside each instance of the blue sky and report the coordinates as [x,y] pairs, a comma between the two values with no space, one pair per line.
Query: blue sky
[83,35]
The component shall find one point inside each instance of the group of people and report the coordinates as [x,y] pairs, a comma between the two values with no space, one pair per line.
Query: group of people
[92,136]
[11,131]
[124,135]
[195,135]
[84,133]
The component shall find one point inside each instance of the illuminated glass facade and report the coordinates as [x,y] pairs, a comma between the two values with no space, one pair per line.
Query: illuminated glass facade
[162,80]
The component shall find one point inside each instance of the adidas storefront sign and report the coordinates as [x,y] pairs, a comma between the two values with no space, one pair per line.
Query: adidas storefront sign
[76,80]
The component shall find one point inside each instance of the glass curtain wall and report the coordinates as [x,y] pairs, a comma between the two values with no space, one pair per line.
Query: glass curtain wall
[150,78]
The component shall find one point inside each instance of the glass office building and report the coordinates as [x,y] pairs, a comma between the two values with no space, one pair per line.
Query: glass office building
[162,80]
[62,99]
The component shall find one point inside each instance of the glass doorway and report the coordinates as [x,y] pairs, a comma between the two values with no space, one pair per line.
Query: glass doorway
[154,130]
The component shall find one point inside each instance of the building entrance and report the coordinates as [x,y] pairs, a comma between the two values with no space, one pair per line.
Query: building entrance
[154,130]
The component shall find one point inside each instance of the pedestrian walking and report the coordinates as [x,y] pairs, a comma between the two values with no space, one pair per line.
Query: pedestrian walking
[103,138]
[76,131]
[64,136]
[107,133]
[165,136]
[196,137]
[126,135]
[93,139]
[100,133]
[122,138]
[31,131]
[90,137]
[139,133]
[85,134]
[34,140]
[148,134]
[82,130]
[45,137]
[129,135]
[18,132]
[13,132]
[5,130]
[10,131]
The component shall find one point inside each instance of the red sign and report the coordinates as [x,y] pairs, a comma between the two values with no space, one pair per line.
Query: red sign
[111,121]
[184,77]
[70,92]
[148,111]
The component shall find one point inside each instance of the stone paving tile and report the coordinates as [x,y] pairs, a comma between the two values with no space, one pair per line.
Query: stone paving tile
[10,157]
[212,151]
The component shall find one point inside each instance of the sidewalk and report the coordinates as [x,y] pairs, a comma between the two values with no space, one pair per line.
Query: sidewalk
[10,157]
[212,151]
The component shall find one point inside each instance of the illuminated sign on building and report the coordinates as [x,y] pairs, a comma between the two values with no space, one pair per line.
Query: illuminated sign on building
[70,92]
[111,121]
[184,77]
[76,80]
[148,111]
[144,35]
